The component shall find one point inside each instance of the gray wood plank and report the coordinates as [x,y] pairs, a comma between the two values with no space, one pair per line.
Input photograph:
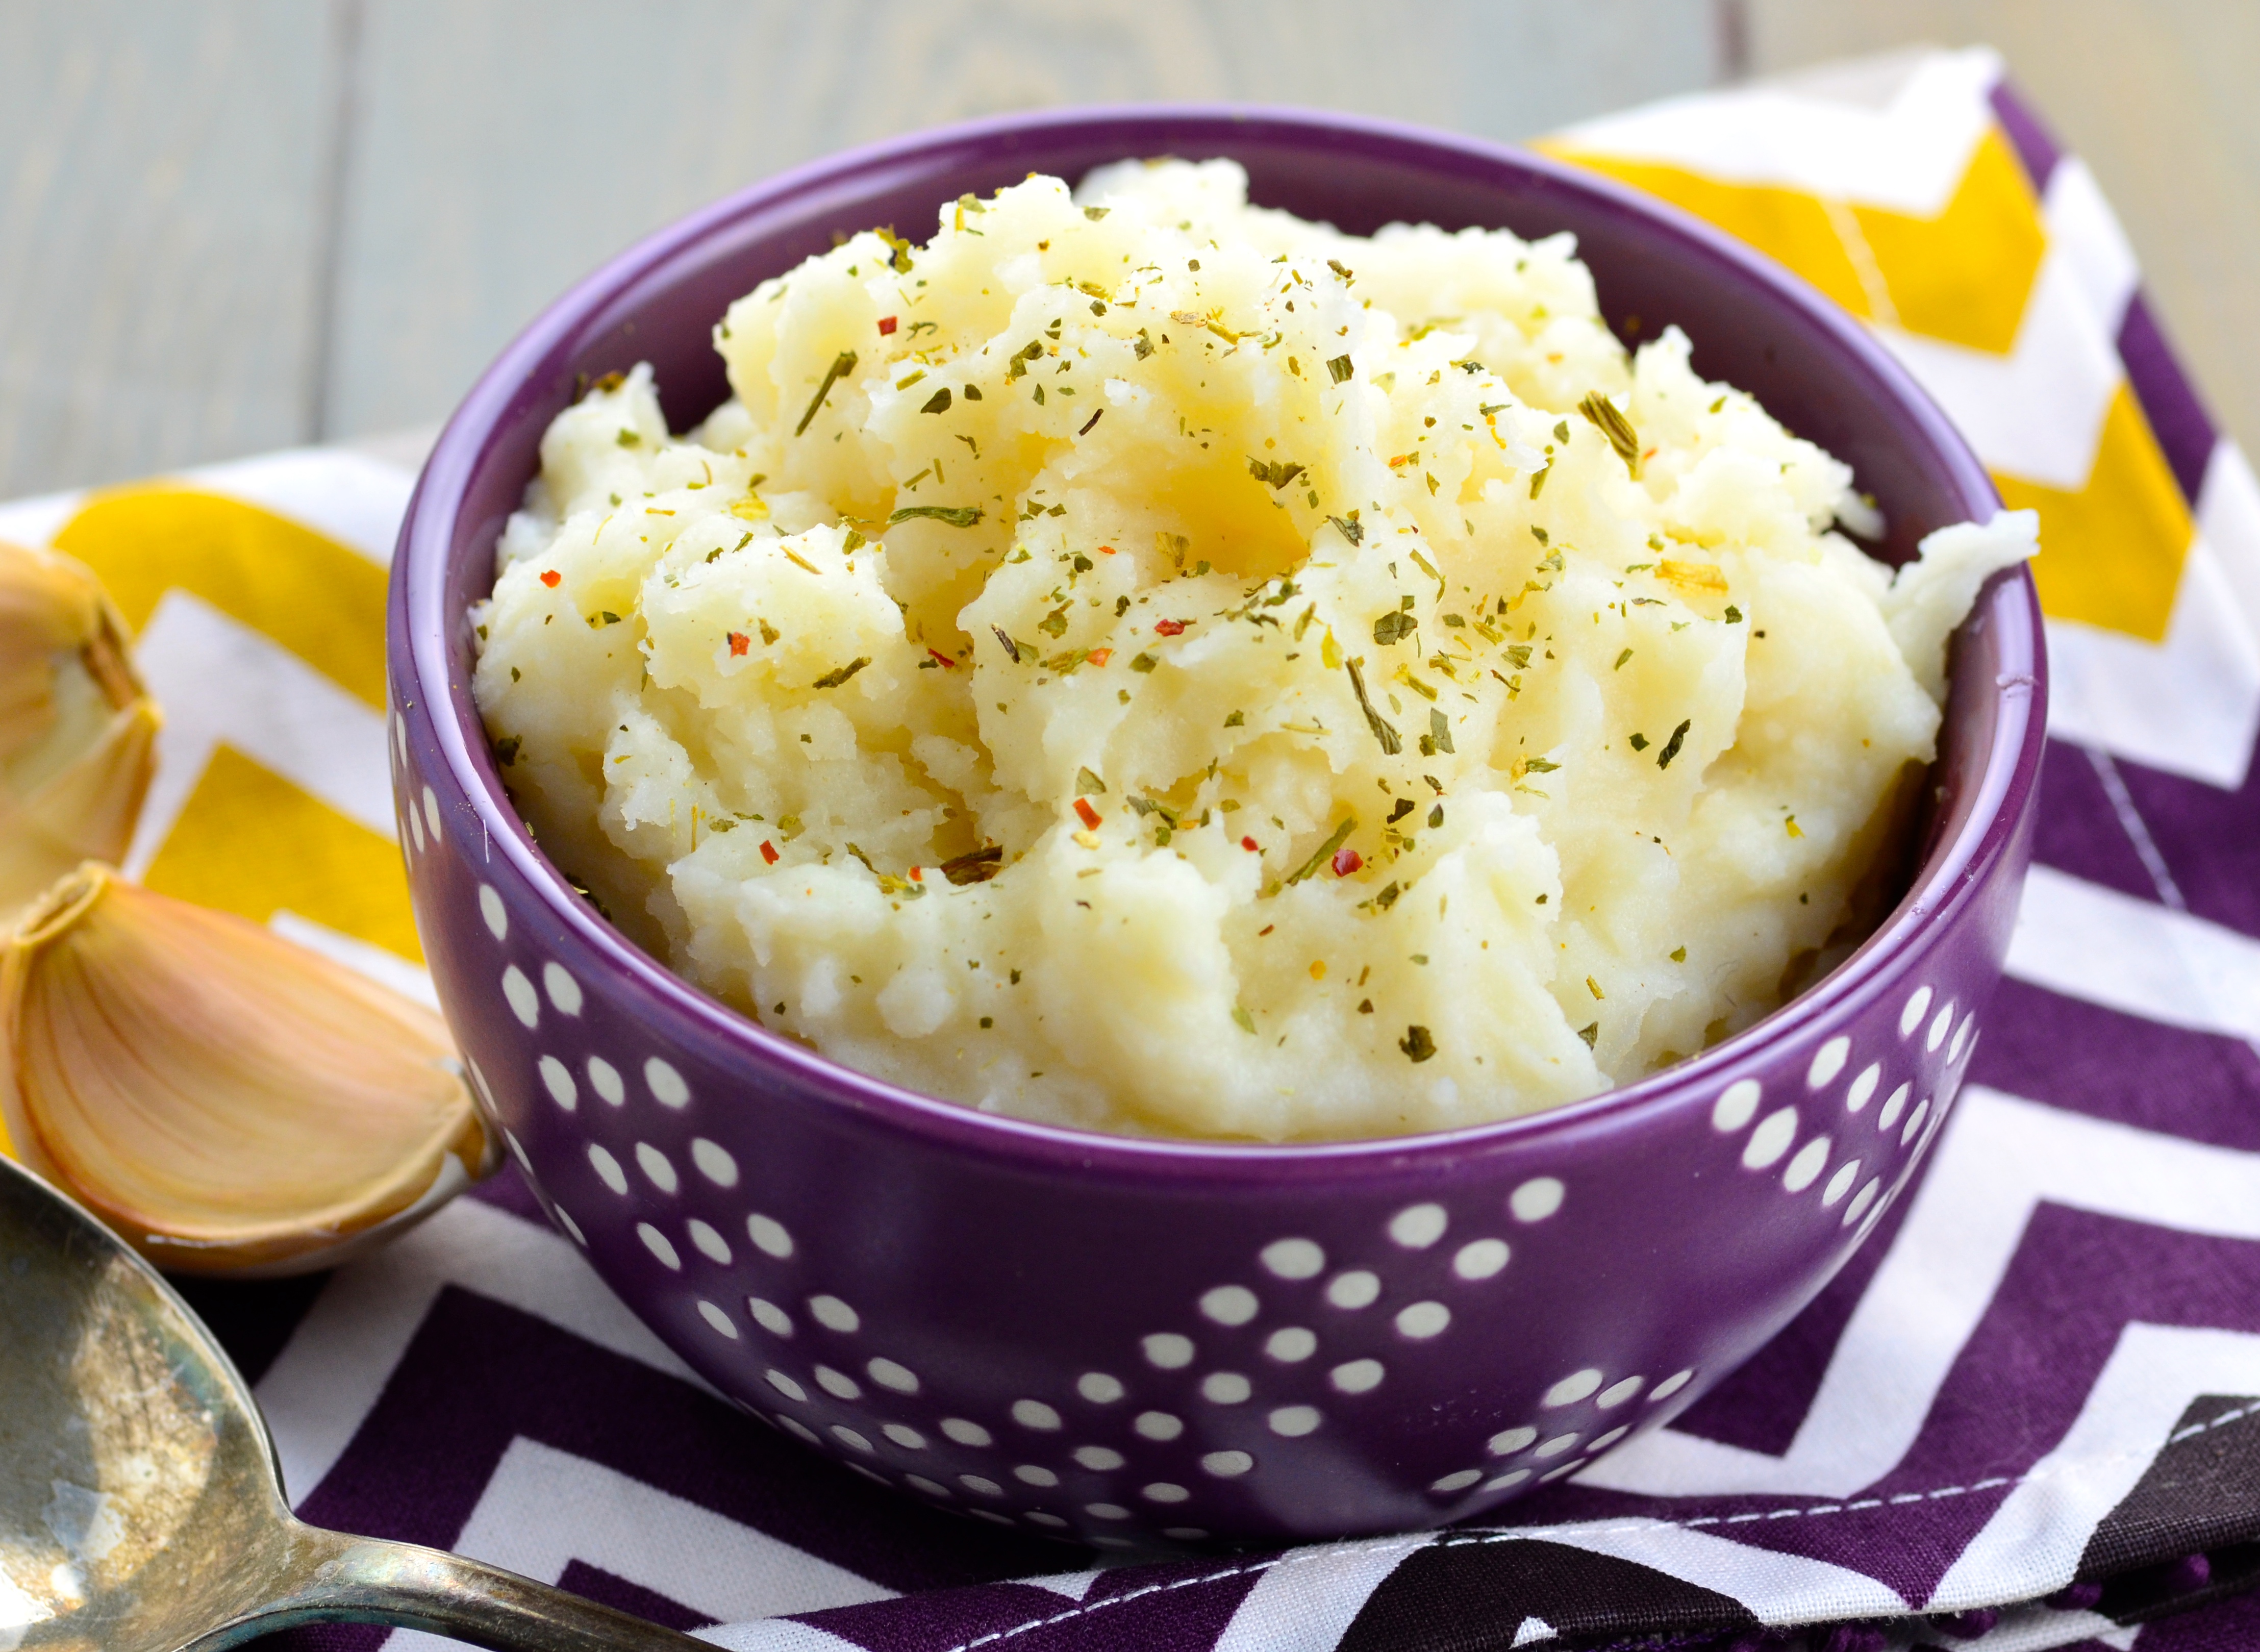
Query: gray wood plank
[506,148]
[2156,96]
[162,179]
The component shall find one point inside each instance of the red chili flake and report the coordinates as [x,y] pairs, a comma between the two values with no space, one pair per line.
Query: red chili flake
[944,658]
[886,326]
[550,576]
[1100,656]
[1088,816]
[917,876]
[1169,628]
[739,643]
[1106,550]
[1249,845]
[1347,860]
[768,852]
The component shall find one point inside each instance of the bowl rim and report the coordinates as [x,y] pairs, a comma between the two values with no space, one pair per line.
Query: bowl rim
[419,631]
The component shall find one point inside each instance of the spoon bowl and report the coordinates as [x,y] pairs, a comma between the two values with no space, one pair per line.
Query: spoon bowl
[140,1506]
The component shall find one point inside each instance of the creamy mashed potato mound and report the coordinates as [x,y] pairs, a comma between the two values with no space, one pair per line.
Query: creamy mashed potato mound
[1149,662]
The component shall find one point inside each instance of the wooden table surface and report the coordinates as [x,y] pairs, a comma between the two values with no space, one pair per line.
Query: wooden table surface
[238,225]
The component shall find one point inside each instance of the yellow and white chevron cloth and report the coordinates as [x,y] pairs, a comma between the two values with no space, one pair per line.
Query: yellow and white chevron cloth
[1919,193]
[255,592]
[1915,191]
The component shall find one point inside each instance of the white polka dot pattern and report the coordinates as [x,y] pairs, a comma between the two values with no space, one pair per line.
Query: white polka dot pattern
[564,992]
[604,1079]
[608,1167]
[1737,1106]
[1294,1259]
[1418,1226]
[1535,1200]
[714,1162]
[523,1003]
[1616,1393]
[656,1167]
[558,1082]
[1480,1259]
[1414,1265]
[1356,1376]
[1571,1389]
[889,1374]
[1230,1304]
[1422,1321]
[715,1316]
[1771,1139]
[1356,1289]
[1827,1061]
[660,1246]
[1169,1350]
[666,1084]
[1290,1344]
[768,1236]
[1806,1168]
[1840,1183]
[1890,1115]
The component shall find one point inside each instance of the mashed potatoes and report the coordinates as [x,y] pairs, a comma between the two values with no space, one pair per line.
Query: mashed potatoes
[1146,662]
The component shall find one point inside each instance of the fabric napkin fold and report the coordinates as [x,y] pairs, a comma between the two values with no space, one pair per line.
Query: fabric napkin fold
[2026,1416]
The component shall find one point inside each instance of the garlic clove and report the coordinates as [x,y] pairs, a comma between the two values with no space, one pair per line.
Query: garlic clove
[227,1101]
[77,727]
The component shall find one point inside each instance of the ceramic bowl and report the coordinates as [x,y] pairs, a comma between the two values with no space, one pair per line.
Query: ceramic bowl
[1137,1340]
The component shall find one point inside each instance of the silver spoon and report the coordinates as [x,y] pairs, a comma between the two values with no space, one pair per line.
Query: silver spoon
[140,1508]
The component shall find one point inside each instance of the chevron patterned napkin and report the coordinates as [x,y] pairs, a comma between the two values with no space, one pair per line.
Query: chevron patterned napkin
[2027,1415]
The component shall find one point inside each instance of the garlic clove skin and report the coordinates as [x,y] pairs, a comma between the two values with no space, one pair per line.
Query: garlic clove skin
[78,729]
[228,1102]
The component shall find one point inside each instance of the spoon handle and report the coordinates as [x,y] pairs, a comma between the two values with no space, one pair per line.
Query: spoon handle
[331,1577]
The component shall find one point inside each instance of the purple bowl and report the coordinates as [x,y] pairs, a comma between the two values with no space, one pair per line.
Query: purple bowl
[1137,1340]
